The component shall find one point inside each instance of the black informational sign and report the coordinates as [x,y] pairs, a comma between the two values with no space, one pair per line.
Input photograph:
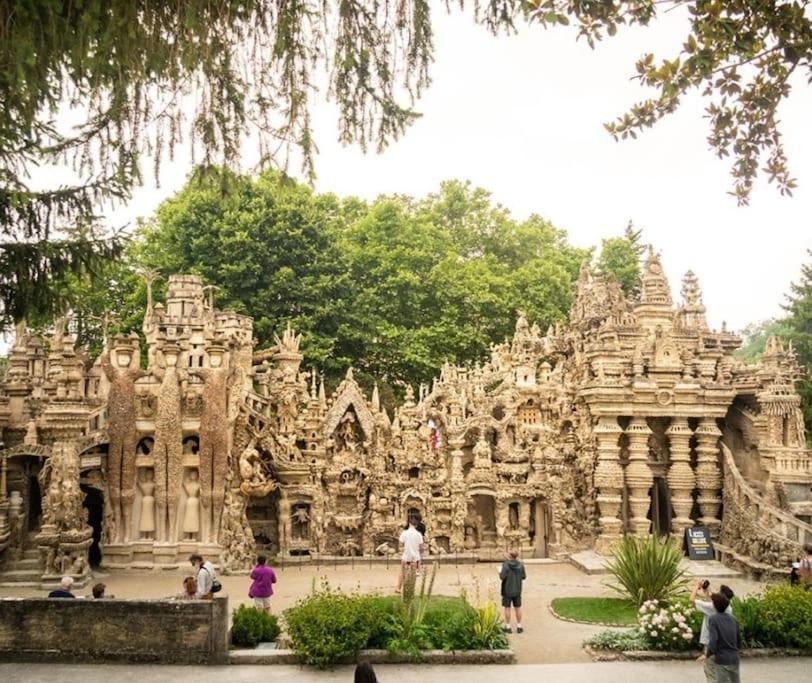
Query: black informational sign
[698,544]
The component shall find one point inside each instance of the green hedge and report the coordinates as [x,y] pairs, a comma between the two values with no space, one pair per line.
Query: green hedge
[329,626]
[782,617]
[250,626]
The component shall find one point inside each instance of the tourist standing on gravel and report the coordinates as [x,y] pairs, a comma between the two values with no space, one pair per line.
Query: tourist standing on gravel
[205,577]
[512,575]
[261,588]
[724,641]
[410,543]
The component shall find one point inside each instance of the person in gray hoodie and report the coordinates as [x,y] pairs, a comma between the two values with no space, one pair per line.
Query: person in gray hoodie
[512,574]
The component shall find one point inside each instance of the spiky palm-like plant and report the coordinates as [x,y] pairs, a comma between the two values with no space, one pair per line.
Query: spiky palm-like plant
[647,569]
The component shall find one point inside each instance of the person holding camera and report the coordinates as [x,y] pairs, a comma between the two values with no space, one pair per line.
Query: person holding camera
[701,600]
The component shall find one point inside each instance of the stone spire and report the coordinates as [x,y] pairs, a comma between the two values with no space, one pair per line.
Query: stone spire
[654,288]
[654,308]
[692,312]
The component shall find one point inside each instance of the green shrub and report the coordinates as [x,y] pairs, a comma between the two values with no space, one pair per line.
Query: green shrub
[785,617]
[329,626]
[748,615]
[617,640]
[468,628]
[647,569]
[251,626]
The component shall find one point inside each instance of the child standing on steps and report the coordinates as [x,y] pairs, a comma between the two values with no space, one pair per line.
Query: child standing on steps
[512,575]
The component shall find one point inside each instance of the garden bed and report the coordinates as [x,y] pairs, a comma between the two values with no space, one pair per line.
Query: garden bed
[503,656]
[602,611]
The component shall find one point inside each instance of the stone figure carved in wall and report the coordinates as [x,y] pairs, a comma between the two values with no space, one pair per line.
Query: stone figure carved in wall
[347,433]
[59,477]
[214,440]
[146,525]
[254,480]
[482,453]
[235,535]
[191,517]
[168,451]
[121,366]
[513,518]
[300,520]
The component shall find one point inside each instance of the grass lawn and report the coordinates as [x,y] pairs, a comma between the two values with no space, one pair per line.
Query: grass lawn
[596,610]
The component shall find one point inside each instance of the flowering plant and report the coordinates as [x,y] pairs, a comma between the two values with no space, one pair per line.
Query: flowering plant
[664,626]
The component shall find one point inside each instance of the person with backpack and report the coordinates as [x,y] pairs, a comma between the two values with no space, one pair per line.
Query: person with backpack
[207,583]
[512,575]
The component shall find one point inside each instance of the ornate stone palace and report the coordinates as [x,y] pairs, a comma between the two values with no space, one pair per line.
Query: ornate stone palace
[632,417]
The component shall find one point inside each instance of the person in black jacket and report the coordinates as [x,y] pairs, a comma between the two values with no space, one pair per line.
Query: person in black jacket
[512,575]
[64,590]
[724,641]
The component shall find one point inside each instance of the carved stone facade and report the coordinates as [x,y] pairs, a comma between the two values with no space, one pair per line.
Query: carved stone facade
[632,417]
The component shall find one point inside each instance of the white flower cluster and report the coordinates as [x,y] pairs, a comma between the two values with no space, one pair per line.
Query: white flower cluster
[665,627]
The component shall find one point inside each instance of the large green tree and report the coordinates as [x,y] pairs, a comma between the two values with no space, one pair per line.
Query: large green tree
[143,77]
[620,256]
[270,245]
[393,288]
[799,321]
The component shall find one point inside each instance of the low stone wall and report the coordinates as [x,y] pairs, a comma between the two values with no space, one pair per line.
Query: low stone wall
[162,631]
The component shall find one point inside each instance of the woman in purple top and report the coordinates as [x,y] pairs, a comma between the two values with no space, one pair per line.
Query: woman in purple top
[262,587]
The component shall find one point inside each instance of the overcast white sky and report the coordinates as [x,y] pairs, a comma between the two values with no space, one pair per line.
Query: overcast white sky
[522,117]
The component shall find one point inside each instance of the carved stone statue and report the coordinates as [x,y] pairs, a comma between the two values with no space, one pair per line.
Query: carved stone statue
[146,525]
[168,449]
[121,366]
[191,518]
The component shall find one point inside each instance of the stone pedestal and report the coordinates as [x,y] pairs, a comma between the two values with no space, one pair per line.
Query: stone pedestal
[639,477]
[608,483]
[681,478]
[166,554]
[708,474]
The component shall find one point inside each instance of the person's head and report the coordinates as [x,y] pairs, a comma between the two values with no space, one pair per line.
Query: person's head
[412,521]
[364,673]
[190,585]
[513,555]
[196,560]
[727,591]
[98,590]
[66,583]
[720,602]
[261,559]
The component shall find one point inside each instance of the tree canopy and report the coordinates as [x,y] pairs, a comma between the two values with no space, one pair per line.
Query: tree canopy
[620,256]
[143,77]
[799,321]
[393,287]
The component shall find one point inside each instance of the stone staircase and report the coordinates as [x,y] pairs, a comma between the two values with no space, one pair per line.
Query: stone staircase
[24,572]
[754,528]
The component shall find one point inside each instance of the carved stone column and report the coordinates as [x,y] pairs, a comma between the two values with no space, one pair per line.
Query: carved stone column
[639,477]
[681,479]
[608,482]
[459,502]
[708,473]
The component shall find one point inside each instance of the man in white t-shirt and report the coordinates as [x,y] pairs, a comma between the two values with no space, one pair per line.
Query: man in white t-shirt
[410,544]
